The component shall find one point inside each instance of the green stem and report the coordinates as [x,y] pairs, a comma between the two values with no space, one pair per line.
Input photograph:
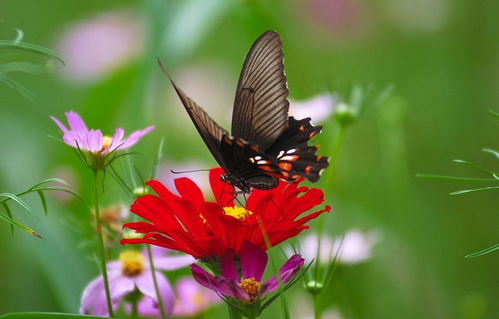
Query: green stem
[317,310]
[156,287]
[135,309]
[338,142]
[234,313]
[101,244]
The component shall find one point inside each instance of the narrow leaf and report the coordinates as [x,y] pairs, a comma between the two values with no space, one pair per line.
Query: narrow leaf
[474,190]
[18,224]
[491,151]
[475,166]
[28,47]
[44,201]
[483,252]
[45,315]
[456,178]
[9,213]
[19,201]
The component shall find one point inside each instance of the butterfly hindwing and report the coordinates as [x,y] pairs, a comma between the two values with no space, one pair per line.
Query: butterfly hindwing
[261,107]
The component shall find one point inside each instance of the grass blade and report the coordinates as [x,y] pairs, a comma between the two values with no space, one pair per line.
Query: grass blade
[456,178]
[474,190]
[44,201]
[483,252]
[19,201]
[18,224]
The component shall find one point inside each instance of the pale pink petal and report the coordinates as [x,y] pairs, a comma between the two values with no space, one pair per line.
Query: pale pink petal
[173,262]
[59,124]
[94,141]
[116,140]
[192,298]
[93,299]
[145,285]
[73,139]
[133,138]
[120,286]
[76,122]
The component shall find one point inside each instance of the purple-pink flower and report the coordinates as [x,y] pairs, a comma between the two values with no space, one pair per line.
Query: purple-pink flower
[132,271]
[93,141]
[192,298]
[248,285]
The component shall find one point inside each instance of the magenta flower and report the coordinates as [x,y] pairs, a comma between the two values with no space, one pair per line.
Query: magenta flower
[248,286]
[132,271]
[92,141]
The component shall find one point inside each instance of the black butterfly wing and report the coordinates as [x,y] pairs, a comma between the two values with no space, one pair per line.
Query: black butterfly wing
[260,112]
[210,131]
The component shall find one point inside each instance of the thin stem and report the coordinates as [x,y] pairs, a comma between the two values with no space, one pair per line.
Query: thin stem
[156,286]
[101,244]
[338,142]
[135,309]
[317,310]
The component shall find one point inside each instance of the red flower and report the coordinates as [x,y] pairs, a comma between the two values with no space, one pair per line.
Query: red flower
[206,229]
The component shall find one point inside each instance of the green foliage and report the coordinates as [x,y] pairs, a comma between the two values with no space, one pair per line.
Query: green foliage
[44,315]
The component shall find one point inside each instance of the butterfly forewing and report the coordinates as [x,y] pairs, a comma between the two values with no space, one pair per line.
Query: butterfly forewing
[260,112]
[209,130]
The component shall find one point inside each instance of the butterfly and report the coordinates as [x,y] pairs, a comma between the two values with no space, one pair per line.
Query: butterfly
[265,144]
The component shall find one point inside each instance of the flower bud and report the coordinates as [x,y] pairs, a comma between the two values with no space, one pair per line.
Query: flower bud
[314,287]
[345,114]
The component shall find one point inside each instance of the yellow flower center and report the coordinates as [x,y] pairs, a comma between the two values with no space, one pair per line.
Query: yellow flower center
[197,299]
[237,212]
[106,142]
[251,286]
[132,263]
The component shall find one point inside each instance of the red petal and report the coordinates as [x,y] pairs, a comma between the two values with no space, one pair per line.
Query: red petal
[189,190]
[223,192]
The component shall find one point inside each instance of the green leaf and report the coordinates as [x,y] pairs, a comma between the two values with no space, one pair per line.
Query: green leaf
[456,178]
[51,180]
[26,67]
[474,190]
[46,315]
[18,224]
[494,113]
[483,252]
[19,201]
[28,47]
[475,166]
[44,201]
[491,151]
[9,213]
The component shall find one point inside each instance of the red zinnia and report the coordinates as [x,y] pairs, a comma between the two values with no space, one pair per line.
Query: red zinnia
[206,229]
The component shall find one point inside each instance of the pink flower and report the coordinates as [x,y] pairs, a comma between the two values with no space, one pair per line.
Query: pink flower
[95,46]
[249,286]
[132,271]
[192,298]
[318,107]
[93,141]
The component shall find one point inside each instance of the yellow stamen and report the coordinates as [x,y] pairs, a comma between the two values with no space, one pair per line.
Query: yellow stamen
[106,142]
[132,263]
[237,212]
[251,286]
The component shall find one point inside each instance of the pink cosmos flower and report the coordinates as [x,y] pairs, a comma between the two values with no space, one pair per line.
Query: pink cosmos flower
[93,141]
[132,271]
[98,45]
[249,286]
[192,298]
[318,107]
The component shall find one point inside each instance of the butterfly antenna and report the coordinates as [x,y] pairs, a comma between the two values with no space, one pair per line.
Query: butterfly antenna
[191,171]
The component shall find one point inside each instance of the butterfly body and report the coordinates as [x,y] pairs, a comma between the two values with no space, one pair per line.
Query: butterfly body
[265,145]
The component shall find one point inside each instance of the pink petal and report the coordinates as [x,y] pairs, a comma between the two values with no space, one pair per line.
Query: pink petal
[120,286]
[75,122]
[93,299]
[253,261]
[133,138]
[192,298]
[94,141]
[145,285]
[286,273]
[116,140]
[173,262]
[73,139]
[61,126]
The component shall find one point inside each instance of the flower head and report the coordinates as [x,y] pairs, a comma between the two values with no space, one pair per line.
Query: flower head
[192,298]
[354,247]
[246,285]
[208,229]
[93,142]
[132,271]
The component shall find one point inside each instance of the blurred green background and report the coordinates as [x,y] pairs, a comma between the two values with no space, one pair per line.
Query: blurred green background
[442,57]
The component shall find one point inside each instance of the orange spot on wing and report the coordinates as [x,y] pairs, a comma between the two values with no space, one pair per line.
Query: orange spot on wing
[227,140]
[301,128]
[318,159]
[285,166]
[307,169]
[266,168]
[239,143]
[312,134]
[255,148]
